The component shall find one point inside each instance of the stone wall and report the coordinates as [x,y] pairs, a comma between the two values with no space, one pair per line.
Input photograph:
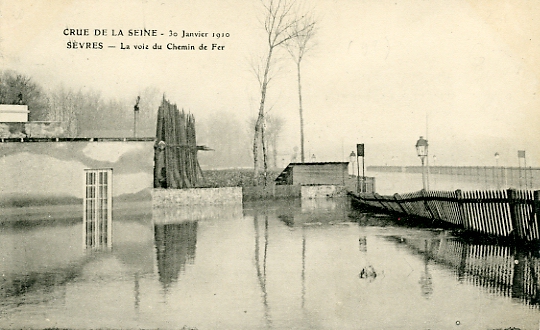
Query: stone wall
[270,192]
[196,196]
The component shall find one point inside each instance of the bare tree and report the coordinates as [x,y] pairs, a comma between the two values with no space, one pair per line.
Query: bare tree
[274,127]
[65,106]
[298,47]
[281,17]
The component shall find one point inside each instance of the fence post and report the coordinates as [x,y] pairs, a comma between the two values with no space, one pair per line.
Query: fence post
[512,204]
[535,216]
[426,205]
[399,203]
[462,214]
[380,199]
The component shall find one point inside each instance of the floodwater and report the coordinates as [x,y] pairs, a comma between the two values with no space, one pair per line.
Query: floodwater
[303,264]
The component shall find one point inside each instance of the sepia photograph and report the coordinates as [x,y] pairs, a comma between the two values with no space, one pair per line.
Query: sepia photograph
[270,164]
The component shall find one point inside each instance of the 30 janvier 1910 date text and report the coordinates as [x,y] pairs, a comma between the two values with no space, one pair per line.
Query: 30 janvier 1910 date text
[84,32]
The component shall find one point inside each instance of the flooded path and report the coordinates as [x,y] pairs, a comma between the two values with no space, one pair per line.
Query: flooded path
[265,265]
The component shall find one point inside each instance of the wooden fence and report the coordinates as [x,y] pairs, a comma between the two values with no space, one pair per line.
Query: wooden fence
[500,213]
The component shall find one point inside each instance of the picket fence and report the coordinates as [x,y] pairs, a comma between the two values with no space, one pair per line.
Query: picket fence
[501,213]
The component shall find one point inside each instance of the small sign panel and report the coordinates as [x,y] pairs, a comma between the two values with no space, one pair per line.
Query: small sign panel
[360,150]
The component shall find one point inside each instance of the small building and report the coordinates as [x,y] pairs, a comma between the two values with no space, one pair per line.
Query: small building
[13,113]
[14,124]
[317,173]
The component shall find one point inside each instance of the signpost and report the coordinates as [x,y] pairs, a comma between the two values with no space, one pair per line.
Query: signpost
[360,152]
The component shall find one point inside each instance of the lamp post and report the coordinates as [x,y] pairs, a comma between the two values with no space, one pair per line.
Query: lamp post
[352,158]
[521,154]
[497,170]
[422,152]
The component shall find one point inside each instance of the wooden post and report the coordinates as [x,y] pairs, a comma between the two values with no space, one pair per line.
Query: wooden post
[397,199]
[426,205]
[512,204]
[380,199]
[462,213]
[535,215]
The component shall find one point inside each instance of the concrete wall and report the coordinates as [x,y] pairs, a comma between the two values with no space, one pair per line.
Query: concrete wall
[323,191]
[53,172]
[196,196]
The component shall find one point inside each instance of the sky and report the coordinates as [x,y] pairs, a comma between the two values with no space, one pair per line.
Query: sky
[463,73]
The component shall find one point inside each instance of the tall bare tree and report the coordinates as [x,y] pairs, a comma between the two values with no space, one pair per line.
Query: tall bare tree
[298,47]
[274,127]
[272,130]
[280,19]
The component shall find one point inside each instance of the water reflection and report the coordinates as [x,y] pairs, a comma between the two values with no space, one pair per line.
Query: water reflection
[175,247]
[501,270]
[97,209]
[282,265]
[368,271]
[97,228]
[41,261]
[272,246]
[260,265]
[426,282]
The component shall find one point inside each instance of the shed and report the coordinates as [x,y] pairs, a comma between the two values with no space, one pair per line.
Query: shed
[13,113]
[317,173]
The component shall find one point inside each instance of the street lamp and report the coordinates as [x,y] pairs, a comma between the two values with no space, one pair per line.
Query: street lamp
[422,152]
[352,158]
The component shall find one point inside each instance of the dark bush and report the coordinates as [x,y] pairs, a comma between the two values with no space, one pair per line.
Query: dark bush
[234,178]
